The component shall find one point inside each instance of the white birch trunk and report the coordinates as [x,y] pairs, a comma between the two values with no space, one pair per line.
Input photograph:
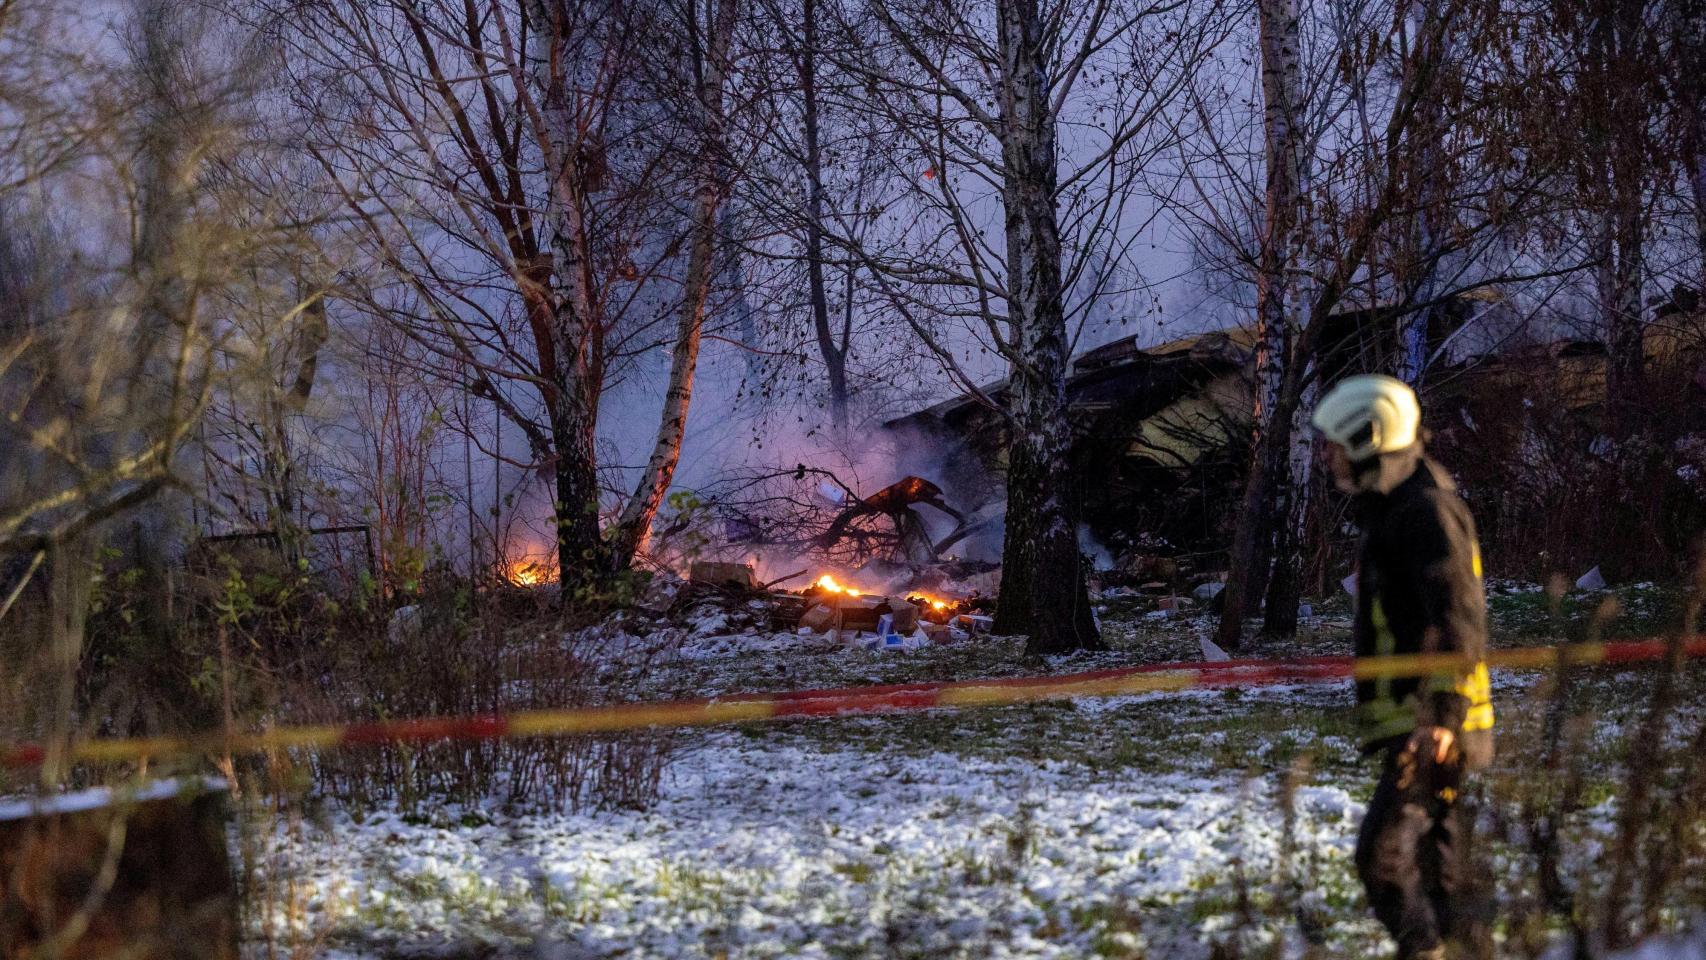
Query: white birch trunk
[1432,224]
[563,290]
[1252,547]
[1043,593]
[710,185]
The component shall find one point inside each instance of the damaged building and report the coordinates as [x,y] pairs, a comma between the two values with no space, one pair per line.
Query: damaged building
[1161,431]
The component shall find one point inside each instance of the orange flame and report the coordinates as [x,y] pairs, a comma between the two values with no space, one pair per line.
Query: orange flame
[527,573]
[827,582]
[936,603]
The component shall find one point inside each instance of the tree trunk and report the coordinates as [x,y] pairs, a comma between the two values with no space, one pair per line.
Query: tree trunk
[1697,183]
[834,354]
[710,177]
[1619,280]
[1433,225]
[1043,593]
[1620,138]
[1688,46]
[1295,507]
[560,292]
[574,439]
[1252,541]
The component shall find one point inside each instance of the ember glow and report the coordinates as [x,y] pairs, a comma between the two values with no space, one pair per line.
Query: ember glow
[528,573]
[925,599]
[829,583]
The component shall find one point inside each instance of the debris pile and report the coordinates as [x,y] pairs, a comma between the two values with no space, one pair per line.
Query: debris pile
[727,598]
[874,620]
[1158,586]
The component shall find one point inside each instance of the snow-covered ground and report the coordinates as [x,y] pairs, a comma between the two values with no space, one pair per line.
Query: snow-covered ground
[766,850]
[1147,826]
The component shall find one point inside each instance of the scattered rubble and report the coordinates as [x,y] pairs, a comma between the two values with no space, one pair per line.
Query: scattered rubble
[736,576]
[720,598]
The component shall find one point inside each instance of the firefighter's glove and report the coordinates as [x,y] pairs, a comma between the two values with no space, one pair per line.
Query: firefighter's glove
[1428,749]
[1436,743]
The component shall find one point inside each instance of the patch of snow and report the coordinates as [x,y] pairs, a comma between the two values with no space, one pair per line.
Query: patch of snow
[712,646]
[82,801]
[708,621]
[763,850]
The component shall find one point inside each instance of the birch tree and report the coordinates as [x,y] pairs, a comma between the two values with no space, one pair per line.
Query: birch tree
[993,242]
[493,159]
[1382,85]
[709,26]
[1281,68]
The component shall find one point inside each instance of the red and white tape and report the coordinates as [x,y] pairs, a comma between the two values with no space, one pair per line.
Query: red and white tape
[846,701]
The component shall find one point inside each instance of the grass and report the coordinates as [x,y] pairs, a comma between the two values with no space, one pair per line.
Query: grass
[1260,732]
[1636,610]
[1265,732]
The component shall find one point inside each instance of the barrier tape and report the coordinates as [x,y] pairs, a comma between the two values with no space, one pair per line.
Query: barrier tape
[850,701]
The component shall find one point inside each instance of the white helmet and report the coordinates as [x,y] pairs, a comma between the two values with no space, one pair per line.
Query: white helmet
[1369,415]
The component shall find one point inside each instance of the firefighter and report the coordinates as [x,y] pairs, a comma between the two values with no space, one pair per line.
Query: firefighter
[1418,592]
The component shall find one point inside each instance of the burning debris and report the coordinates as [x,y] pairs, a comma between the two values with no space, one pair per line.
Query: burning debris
[529,573]
[848,613]
[896,501]
[872,574]
[898,615]
[921,617]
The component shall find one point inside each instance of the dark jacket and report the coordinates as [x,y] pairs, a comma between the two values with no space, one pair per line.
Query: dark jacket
[1419,592]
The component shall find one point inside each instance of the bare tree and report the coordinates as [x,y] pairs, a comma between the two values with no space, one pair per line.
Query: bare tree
[1611,91]
[1277,262]
[493,161]
[1368,123]
[115,337]
[978,98]
[1686,20]
[821,165]
[709,26]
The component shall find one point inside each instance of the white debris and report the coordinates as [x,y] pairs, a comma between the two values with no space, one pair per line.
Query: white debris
[1592,580]
[1210,649]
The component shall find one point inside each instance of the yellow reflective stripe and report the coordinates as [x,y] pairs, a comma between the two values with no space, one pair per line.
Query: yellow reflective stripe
[1383,716]
[1474,685]
[1479,717]
[1385,643]
[1475,559]
[1469,682]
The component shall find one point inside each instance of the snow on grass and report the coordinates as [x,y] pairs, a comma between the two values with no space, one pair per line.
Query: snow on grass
[765,850]
[1133,826]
